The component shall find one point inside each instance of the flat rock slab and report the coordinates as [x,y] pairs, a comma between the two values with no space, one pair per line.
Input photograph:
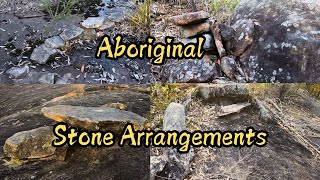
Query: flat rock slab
[18,72]
[93,22]
[192,30]
[231,109]
[54,42]
[209,92]
[93,118]
[33,144]
[190,18]
[42,54]
[71,33]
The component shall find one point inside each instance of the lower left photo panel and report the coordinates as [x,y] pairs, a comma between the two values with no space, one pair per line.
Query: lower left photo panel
[72,131]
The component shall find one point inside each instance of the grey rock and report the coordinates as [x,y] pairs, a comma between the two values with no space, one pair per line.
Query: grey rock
[71,32]
[188,71]
[93,118]
[286,40]
[42,54]
[244,36]
[54,42]
[178,165]
[174,118]
[231,109]
[18,72]
[65,79]
[212,92]
[93,22]
[33,144]
[157,164]
[228,66]
[47,78]
[209,44]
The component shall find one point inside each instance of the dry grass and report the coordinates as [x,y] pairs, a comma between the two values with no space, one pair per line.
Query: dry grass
[141,19]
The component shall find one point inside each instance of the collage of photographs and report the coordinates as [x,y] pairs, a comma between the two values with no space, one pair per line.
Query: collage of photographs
[159,89]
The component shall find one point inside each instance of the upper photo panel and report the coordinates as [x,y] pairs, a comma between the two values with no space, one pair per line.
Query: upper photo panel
[55,42]
[148,41]
[246,40]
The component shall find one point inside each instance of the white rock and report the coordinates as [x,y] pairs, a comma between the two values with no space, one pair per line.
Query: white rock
[18,72]
[93,22]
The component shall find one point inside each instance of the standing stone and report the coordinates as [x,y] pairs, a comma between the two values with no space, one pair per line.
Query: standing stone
[190,18]
[192,30]
[71,33]
[54,42]
[93,118]
[33,144]
[93,22]
[178,165]
[42,54]
[18,72]
[174,118]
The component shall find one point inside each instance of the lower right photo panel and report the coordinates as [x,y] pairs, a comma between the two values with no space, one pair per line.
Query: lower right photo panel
[236,131]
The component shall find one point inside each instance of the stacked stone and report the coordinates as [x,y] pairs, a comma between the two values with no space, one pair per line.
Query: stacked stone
[223,46]
[37,143]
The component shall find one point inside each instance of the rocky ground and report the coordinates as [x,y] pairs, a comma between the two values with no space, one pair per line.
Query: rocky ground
[21,112]
[292,122]
[35,48]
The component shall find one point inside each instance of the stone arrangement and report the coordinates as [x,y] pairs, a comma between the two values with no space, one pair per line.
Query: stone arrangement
[220,59]
[36,144]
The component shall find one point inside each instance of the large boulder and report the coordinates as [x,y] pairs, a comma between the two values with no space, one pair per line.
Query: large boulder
[286,40]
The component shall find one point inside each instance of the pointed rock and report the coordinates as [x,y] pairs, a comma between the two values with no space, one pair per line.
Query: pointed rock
[93,118]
